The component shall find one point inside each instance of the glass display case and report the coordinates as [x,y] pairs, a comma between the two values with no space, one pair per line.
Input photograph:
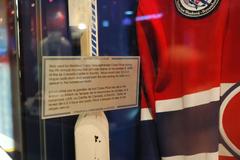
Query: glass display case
[62,28]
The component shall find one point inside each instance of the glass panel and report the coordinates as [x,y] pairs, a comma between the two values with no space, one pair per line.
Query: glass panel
[10,122]
[45,25]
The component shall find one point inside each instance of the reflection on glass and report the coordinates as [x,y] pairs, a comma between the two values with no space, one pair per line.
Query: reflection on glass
[3,39]
[6,124]
[55,44]
[3,30]
[6,120]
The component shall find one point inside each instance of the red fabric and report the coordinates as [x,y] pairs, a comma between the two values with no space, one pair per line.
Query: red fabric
[231,56]
[231,120]
[181,55]
[227,158]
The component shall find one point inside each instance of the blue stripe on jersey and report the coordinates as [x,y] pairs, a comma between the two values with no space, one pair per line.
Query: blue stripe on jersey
[189,131]
[148,141]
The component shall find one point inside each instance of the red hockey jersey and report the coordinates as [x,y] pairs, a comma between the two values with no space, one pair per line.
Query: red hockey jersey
[189,54]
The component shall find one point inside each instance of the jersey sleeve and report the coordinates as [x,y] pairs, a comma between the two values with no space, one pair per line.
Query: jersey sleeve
[152,50]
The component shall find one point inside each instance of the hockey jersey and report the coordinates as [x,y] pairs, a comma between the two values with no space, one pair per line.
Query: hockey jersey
[190,76]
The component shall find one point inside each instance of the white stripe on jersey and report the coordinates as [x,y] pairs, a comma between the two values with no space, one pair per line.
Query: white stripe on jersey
[223,151]
[146,114]
[225,87]
[188,101]
[200,156]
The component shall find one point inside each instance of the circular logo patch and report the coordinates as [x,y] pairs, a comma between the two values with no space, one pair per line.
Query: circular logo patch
[196,8]
[229,119]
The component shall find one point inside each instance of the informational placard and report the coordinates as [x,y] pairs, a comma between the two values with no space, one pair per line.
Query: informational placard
[71,85]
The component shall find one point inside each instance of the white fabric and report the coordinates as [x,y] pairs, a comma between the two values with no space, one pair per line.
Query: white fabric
[146,114]
[188,101]
[223,151]
[200,156]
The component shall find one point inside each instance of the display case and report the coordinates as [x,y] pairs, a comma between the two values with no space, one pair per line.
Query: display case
[71,29]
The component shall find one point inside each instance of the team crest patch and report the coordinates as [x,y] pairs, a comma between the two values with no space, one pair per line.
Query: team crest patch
[196,8]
